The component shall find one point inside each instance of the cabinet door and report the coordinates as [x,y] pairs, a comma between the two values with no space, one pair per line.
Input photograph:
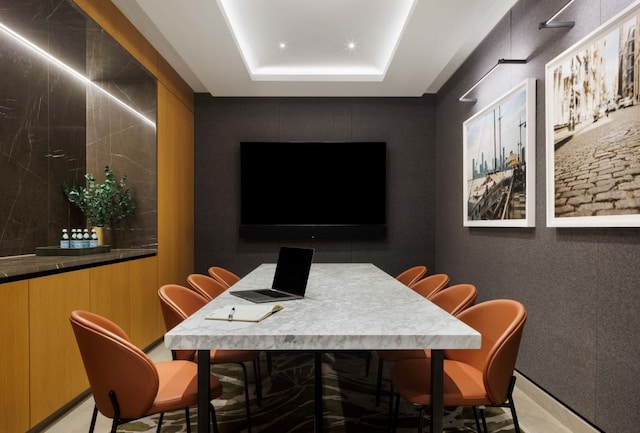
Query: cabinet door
[110,293]
[56,371]
[14,362]
[146,326]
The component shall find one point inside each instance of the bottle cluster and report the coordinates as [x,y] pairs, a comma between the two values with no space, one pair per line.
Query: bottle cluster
[79,238]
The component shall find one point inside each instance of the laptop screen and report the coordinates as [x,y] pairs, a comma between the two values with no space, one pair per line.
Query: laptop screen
[292,269]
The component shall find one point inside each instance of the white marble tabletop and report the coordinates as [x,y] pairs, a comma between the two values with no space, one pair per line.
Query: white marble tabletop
[347,306]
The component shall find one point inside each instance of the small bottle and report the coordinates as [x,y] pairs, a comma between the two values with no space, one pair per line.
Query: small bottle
[86,238]
[93,242]
[64,239]
[73,241]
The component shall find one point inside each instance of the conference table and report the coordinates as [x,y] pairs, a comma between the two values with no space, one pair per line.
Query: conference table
[347,307]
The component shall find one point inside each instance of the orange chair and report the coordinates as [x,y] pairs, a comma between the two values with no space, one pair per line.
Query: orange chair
[411,275]
[206,286]
[178,303]
[430,285]
[453,300]
[125,383]
[472,377]
[223,275]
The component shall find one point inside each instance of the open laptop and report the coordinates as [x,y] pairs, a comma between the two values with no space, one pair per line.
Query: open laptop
[290,279]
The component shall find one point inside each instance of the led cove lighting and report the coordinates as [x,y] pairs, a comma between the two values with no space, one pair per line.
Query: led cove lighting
[72,72]
[317,55]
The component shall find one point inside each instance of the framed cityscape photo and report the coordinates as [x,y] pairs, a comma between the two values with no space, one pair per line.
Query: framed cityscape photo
[593,128]
[499,161]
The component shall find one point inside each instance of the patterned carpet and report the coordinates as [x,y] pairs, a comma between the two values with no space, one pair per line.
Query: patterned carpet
[287,404]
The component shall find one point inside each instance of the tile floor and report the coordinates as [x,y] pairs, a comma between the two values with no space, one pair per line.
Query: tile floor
[533,418]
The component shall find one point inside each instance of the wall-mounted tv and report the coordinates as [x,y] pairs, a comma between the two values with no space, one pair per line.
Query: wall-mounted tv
[313,190]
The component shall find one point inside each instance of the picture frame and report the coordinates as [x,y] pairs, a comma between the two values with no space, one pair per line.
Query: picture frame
[499,161]
[592,109]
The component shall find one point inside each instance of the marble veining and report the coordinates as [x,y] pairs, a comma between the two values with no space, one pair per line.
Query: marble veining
[347,306]
[54,128]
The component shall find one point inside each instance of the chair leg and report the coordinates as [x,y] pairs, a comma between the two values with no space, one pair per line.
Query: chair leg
[257,377]
[187,419]
[367,364]
[93,419]
[269,364]
[159,429]
[483,417]
[246,396]
[214,419]
[475,417]
[396,411]
[512,405]
[421,418]
[379,381]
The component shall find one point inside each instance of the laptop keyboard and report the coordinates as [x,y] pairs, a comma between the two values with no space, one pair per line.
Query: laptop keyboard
[272,293]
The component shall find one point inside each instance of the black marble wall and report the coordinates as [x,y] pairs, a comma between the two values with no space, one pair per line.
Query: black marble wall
[54,128]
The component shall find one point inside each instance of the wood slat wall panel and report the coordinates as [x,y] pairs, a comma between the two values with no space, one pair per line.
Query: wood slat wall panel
[110,293]
[14,362]
[55,369]
[145,326]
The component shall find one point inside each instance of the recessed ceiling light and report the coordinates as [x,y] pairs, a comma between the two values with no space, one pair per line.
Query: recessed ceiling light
[318,30]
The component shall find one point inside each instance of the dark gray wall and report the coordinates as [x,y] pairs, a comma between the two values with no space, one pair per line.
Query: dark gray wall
[579,285]
[406,124]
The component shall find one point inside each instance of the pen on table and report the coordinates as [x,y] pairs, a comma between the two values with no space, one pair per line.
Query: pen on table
[233,310]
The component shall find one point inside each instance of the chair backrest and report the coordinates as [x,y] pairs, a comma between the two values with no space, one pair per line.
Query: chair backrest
[455,299]
[430,285]
[223,275]
[177,303]
[411,275]
[500,322]
[113,363]
[206,286]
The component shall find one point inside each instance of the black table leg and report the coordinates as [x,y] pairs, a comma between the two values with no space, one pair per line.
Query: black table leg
[437,391]
[318,421]
[204,371]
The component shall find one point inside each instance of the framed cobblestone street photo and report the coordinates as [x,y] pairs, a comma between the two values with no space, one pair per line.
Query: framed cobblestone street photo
[593,128]
[499,161]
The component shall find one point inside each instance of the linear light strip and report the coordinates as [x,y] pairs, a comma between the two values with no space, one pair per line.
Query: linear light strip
[73,72]
[464,98]
[548,24]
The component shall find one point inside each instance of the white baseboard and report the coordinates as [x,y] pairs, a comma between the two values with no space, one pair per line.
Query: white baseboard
[543,413]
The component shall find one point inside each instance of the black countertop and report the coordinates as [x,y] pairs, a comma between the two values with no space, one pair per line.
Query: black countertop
[30,265]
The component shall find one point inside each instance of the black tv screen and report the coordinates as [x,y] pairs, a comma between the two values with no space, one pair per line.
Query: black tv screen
[313,189]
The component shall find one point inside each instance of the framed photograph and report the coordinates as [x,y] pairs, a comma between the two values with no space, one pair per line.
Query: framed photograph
[593,128]
[499,161]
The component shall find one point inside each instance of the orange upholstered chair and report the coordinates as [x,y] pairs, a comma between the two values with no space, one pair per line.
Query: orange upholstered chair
[125,383]
[411,275]
[178,303]
[430,285]
[453,300]
[206,286]
[223,275]
[472,377]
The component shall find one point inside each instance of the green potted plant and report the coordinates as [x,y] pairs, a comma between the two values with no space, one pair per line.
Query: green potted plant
[103,204]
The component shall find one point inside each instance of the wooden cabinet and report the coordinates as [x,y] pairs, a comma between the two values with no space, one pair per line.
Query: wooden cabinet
[46,353]
[14,362]
[146,324]
[56,372]
[110,293]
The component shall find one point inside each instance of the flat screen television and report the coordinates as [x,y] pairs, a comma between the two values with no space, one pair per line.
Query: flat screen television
[313,190]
